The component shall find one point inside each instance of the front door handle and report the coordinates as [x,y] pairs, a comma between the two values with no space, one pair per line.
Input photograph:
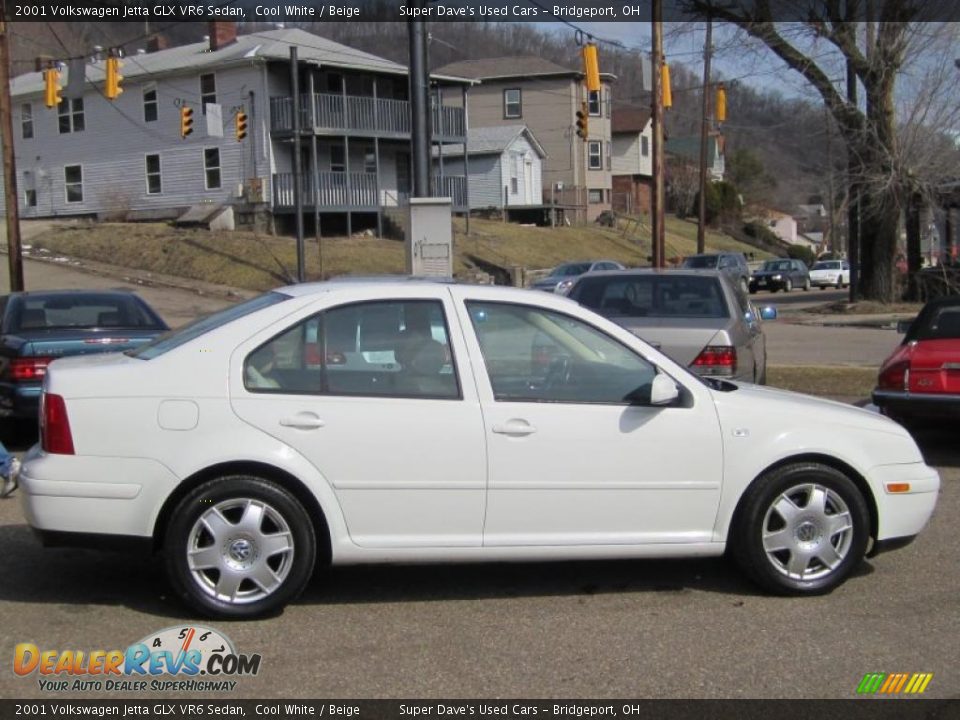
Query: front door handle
[302,421]
[516,428]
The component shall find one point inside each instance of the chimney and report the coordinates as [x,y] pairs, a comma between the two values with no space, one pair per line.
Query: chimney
[222,33]
[156,43]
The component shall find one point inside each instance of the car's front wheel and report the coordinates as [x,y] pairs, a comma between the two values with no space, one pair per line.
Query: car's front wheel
[806,284]
[787,285]
[239,547]
[802,529]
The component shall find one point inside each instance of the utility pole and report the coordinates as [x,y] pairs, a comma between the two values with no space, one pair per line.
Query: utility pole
[704,127]
[297,161]
[656,214]
[14,256]
[420,109]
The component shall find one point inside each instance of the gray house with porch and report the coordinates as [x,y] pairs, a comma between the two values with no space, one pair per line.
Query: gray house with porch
[126,158]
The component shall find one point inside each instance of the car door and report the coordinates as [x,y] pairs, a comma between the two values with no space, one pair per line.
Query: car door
[572,459]
[372,393]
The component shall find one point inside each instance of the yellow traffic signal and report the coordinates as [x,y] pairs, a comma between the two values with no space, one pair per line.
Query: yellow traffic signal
[582,122]
[240,125]
[186,121]
[114,78]
[665,84]
[721,103]
[51,88]
[591,67]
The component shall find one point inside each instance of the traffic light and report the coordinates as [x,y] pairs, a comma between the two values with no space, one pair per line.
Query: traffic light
[186,121]
[582,122]
[51,88]
[240,125]
[665,84]
[721,103]
[114,77]
[591,67]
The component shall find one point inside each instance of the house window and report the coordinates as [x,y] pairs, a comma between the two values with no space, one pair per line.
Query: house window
[595,103]
[71,115]
[150,104]
[512,106]
[334,83]
[338,159]
[645,146]
[211,168]
[370,161]
[30,198]
[153,175]
[595,155]
[26,121]
[208,90]
[595,197]
[514,186]
[609,156]
[73,182]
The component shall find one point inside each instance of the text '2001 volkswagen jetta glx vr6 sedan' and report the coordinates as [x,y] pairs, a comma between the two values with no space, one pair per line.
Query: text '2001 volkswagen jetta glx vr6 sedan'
[354,422]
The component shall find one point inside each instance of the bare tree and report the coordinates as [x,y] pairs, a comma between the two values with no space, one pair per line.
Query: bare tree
[872,133]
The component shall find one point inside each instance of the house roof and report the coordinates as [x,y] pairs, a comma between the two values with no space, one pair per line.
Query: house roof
[268,45]
[629,120]
[493,141]
[506,67]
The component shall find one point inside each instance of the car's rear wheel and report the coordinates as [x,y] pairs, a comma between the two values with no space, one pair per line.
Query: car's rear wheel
[787,285]
[239,547]
[806,285]
[802,529]
[839,283]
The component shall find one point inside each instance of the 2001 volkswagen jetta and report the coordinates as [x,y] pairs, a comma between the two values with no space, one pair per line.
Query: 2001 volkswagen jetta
[355,422]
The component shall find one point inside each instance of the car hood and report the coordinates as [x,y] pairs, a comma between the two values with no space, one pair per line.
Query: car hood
[809,424]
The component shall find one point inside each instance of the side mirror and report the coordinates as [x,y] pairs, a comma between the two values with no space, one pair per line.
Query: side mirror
[903,326]
[664,391]
[768,313]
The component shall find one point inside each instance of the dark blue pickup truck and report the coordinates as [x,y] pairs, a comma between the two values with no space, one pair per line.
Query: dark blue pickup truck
[36,328]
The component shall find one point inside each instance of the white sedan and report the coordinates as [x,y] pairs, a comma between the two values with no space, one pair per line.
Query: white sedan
[830,273]
[357,422]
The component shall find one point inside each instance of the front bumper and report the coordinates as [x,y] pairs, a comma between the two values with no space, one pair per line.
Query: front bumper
[766,283]
[902,515]
[917,406]
[93,495]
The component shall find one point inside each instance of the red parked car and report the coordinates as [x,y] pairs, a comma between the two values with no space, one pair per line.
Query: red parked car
[920,381]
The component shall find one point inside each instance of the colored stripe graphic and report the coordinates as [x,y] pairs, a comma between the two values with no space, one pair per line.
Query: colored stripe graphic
[871,683]
[894,683]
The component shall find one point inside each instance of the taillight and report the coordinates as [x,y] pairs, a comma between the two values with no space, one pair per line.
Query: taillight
[895,377]
[716,360]
[55,436]
[29,369]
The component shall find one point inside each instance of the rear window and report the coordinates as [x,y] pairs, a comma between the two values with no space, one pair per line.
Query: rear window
[175,338]
[827,266]
[653,296]
[570,270]
[936,323]
[701,262]
[83,311]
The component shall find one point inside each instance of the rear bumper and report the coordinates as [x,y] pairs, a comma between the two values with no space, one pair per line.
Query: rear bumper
[824,282]
[917,406]
[18,400]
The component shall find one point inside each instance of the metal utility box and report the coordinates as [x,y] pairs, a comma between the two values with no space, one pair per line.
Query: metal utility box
[430,238]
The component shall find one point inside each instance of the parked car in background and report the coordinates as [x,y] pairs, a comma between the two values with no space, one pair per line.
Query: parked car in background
[733,264]
[830,273]
[562,277]
[782,274]
[697,317]
[920,381]
[246,480]
[36,328]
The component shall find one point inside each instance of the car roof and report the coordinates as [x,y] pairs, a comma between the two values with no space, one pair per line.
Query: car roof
[707,272]
[60,293]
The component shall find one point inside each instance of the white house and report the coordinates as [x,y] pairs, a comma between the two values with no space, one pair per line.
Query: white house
[91,156]
[632,133]
[505,166]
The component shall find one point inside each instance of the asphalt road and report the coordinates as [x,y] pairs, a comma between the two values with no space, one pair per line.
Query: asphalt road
[634,629]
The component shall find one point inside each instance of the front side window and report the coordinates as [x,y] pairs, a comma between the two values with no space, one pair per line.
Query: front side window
[73,183]
[375,349]
[71,116]
[150,103]
[512,104]
[536,355]
[208,90]
[154,185]
[595,155]
[211,168]
[594,103]
[26,121]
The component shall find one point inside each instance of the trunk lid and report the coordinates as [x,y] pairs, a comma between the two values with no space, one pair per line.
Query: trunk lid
[681,338]
[935,367]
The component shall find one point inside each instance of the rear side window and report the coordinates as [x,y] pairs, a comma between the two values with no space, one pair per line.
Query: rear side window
[653,296]
[82,311]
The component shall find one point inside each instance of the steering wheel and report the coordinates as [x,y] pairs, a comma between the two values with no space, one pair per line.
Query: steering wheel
[558,374]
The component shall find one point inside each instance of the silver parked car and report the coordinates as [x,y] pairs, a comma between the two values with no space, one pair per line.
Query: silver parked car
[697,317]
[562,277]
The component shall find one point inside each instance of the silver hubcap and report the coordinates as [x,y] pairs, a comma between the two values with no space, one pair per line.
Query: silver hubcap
[240,550]
[807,532]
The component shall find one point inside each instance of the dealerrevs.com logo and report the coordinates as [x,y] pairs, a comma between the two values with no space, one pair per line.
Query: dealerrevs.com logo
[192,658]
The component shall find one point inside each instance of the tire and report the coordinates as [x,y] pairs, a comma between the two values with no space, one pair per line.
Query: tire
[231,523]
[787,285]
[823,287]
[820,547]
[806,285]
[839,283]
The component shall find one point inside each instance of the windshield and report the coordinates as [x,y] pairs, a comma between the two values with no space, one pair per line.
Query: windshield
[776,265]
[701,262]
[653,296]
[175,338]
[827,266]
[570,269]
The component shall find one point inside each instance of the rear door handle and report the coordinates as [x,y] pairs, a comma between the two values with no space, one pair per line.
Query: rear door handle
[302,421]
[517,428]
